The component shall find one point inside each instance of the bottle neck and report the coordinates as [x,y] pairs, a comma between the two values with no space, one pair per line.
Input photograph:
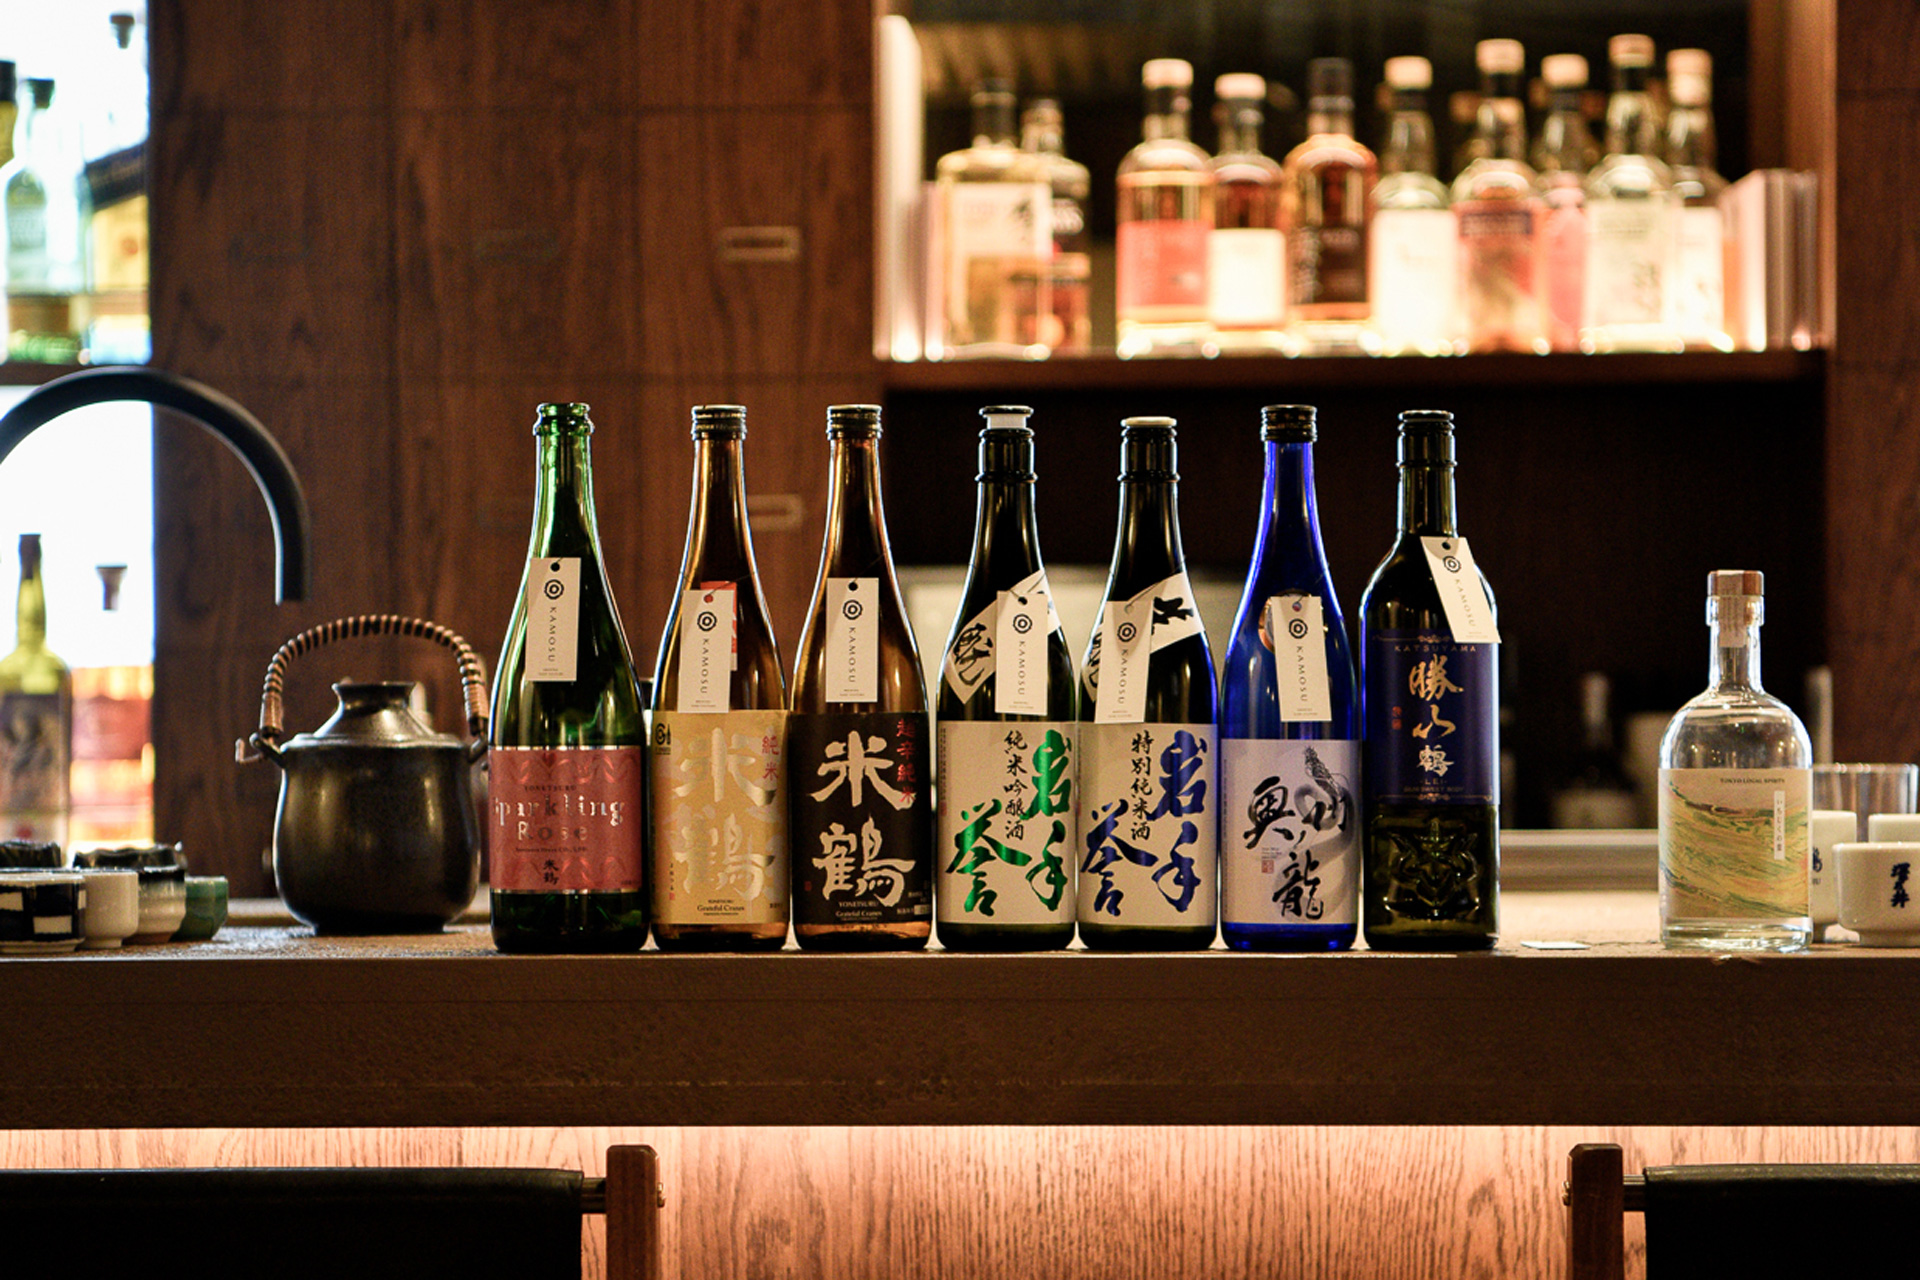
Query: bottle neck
[1630,118]
[994,125]
[1240,130]
[1287,495]
[1330,116]
[1409,146]
[1426,499]
[563,519]
[1734,662]
[1564,141]
[1690,141]
[1501,124]
[1005,544]
[856,540]
[30,615]
[1043,138]
[1146,549]
[1166,115]
[718,549]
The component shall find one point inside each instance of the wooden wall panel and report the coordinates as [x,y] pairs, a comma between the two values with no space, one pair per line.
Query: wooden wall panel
[329,56]
[753,54]
[553,55]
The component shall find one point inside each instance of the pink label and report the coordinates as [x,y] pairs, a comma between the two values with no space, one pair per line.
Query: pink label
[1163,264]
[565,818]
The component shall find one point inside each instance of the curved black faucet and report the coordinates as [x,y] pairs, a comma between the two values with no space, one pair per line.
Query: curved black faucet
[265,460]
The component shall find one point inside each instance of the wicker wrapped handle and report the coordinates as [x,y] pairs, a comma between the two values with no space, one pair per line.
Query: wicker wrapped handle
[473,679]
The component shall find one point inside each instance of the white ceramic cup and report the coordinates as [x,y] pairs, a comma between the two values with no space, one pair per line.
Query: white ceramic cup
[1880,891]
[113,906]
[1882,827]
[1830,827]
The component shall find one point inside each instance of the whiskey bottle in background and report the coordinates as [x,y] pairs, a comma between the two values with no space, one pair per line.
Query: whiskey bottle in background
[1043,132]
[1430,701]
[1702,246]
[859,755]
[1562,155]
[1631,215]
[996,237]
[1149,800]
[1008,841]
[1412,240]
[1736,795]
[1245,254]
[45,271]
[1323,211]
[1598,795]
[1499,216]
[36,717]
[718,866]
[116,199]
[1289,725]
[1163,218]
[566,754]
[112,770]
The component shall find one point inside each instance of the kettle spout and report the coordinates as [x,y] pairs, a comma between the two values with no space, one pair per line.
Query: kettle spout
[265,460]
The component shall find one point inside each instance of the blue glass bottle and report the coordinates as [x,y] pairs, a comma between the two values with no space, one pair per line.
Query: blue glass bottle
[1289,785]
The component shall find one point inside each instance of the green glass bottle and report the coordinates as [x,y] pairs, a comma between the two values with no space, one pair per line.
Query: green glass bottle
[567,757]
[36,718]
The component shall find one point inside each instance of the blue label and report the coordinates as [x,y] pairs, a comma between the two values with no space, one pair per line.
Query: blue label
[1433,719]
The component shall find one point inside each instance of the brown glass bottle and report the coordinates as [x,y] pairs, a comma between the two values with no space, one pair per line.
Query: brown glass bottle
[719,861]
[858,751]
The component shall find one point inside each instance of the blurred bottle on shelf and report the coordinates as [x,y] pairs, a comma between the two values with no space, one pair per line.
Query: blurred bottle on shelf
[1563,154]
[1631,210]
[1246,252]
[115,244]
[995,238]
[1499,216]
[1070,329]
[45,273]
[36,717]
[1598,794]
[1700,258]
[112,770]
[1413,239]
[1163,222]
[1323,211]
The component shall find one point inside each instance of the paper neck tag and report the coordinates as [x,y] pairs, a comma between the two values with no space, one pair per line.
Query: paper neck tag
[1294,627]
[706,648]
[1173,615]
[1020,648]
[1126,644]
[1462,594]
[553,618]
[853,640]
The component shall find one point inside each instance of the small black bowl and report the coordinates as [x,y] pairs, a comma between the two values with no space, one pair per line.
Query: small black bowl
[35,854]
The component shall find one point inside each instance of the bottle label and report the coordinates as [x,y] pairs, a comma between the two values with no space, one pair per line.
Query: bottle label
[553,617]
[1699,301]
[1289,831]
[1628,244]
[1162,266]
[1414,263]
[720,818]
[862,818]
[34,765]
[1006,822]
[1244,266]
[707,623]
[1564,259]
[1148,837]
[1131,631]
[1326,265]
[1499,268]
[998,220]
[564,818]
[1462,593]
[1734,844]
[1432,715]
[1020,647]
[1293,626]
[853,639]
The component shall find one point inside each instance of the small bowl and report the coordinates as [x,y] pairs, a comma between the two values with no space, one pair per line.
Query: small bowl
[132,855]
[34,854]
[1880,891]
[206,909]
[1828,828]
[113,906]
[41,912]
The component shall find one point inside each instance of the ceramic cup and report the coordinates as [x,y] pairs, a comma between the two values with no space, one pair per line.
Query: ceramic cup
[1830,827]
[206,908]
[1879,891]
[113,906]
[163,885]
[41,912]
[1884,827]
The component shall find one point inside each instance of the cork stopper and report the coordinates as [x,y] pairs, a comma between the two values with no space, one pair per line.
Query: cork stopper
[1500,57]
[1564,71]
[1240,85]
[1690,77]
[1167,73]
[1630,51]
[1409,73]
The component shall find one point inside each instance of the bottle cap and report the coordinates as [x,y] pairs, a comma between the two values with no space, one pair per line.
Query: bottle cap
[1736,582]
[1409,73]
[1500,57]
[42,91]
[1426,438]
[1564,71]
[1289,423]
[1690,76]
[853,419]
[1241,84]
[562,416]
[1147,451]
[1329,78]
[720,420]
[1426,420]
[7,81]
[1145,427]
[1167,73]
[1630,51]
[1002,417]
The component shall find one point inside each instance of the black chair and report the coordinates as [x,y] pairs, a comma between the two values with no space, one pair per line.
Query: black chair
[340,1224]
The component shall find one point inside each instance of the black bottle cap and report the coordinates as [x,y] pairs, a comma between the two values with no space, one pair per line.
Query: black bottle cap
[1006,444]
[561,415]
[720,420]
[1289,423]
[1426,435]
[1147,450]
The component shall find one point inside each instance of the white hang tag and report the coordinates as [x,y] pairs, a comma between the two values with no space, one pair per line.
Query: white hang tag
[1469,611]
[853,639]
[706,648]
[970,656]
[1020,648]
[553,618]
[1120,697]
[1174,616]
[1297,633]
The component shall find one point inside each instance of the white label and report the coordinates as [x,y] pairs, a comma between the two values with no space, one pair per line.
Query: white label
[1147,825]
[1006,820]
[1629,246]
[853,639]
[553,617]
[706,649]
[1699,302]
[1412,267]
[1020,648]
[1244,266]
[1462,594]
[1296,631]
[1120,676]
[970,656]
[1289,832]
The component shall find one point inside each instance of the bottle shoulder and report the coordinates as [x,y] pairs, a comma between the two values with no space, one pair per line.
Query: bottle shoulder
[1628,176]
[1410,191]
[1735,729]
[1165,160]
[991,164]
[1488,178]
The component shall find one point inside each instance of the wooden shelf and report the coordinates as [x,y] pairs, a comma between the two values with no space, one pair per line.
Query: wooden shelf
[271,1027]
[31,373]
[1238,372]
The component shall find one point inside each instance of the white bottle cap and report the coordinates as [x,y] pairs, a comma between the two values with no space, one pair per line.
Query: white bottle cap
[1500,56]
[1006,415]
[1409,73]
[1241,84]
[1630,51]
[1690,76]
[1564,71]
[1167,73]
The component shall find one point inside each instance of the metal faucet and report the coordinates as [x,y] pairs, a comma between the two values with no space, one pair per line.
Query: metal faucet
[265,460]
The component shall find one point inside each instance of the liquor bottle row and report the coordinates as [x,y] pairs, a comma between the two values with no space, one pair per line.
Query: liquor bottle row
[1292,802]
[1561,245]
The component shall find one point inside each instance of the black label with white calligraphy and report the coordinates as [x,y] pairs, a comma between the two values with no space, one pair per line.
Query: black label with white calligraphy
[862,823]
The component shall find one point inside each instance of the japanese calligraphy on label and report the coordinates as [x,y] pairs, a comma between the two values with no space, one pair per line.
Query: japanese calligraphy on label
[970,656]
[853,639]
[1734,844]
[1295,629]
[1147,824]
[862,818]
[1462,594]
[707,623]
[1006,830]
[566,818]
[719,818]
[1131,631]
[1432,719]
[1289,832]
[553,617]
